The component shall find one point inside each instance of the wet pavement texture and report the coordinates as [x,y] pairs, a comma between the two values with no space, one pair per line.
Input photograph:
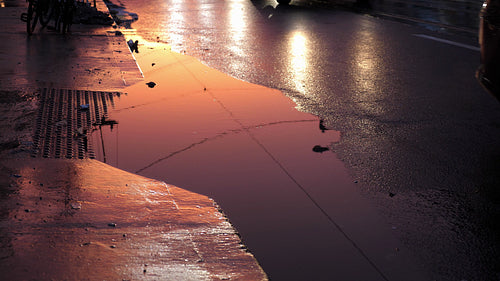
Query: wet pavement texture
[411,153]
[434,15]
[84,220]
[418,133]
[95,58]
[91,58]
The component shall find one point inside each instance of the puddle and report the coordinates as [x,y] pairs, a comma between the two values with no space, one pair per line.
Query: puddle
[266,163]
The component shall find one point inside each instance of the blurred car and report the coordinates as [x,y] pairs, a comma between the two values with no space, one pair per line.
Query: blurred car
[488,73]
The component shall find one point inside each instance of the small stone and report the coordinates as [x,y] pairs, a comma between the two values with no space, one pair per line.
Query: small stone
[112,224]
[76,206]
[392,194]
[112,246]
[151,84]
[319,148]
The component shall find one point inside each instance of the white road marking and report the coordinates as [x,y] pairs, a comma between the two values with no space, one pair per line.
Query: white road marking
[474,48]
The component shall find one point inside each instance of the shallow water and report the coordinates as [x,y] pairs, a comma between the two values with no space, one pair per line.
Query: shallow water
[266,163]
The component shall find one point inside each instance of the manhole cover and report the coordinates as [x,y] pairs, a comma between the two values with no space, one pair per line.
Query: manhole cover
[65,121]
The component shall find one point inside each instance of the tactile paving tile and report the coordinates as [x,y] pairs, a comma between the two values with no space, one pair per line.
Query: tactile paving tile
[65,121]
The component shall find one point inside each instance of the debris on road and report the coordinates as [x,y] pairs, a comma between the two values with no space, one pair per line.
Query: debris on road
[76,206]
[320,149]
[134,46]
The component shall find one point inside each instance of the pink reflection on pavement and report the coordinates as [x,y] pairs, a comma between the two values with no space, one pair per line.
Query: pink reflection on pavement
[266,163]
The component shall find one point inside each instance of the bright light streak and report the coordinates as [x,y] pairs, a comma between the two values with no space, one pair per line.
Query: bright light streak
[238,27]
[237,21]
[176,22]
[299,63]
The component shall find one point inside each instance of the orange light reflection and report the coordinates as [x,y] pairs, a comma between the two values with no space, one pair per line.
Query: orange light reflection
[299,56]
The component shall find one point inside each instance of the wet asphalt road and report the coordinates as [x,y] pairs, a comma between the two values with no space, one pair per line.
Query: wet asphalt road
[419,135]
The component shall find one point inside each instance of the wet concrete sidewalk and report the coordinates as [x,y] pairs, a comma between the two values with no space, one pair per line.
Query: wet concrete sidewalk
[85,220]
[69,219]
[91,57]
